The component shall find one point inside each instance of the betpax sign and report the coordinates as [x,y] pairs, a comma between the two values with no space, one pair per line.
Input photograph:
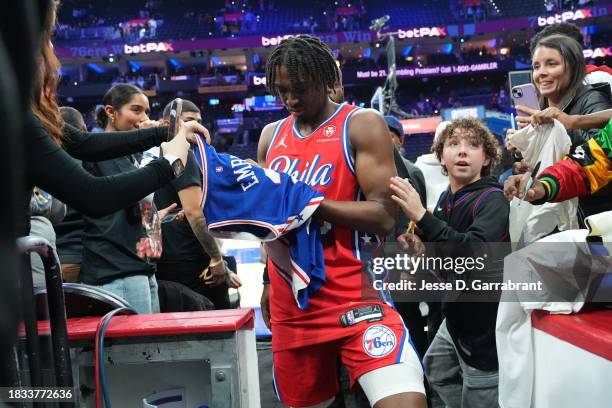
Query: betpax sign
[147,47]
[564,17]
[422,32]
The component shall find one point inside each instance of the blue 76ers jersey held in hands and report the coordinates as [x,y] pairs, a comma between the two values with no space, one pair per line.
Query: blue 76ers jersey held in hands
[244,201]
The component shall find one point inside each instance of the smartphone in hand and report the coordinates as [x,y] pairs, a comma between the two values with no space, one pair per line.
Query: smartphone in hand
[176,108]
[171,216]
[525,95]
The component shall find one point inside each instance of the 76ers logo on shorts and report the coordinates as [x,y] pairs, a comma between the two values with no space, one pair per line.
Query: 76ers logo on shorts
[329,130]
[378,341]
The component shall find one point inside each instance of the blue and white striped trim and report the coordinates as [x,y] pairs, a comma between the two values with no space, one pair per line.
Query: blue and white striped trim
[272,234]
[277,129]
[297,133]
[356,250]
[346,147]
[276,391]
[406,338]
[401,346]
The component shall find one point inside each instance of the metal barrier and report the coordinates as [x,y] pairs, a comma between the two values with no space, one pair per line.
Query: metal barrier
[57,314]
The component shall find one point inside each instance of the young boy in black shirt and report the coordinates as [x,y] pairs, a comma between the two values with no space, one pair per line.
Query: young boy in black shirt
[461,363]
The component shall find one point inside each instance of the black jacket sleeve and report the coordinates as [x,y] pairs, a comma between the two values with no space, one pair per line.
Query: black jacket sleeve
[596,100]
[489,225]
[405,169]
[110,145]
[418,181]
[55,171]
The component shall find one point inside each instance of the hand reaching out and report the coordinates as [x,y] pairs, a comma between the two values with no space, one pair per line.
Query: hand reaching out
[148,124]
[411,243]
[537,117]
[162,213]
[234,280]
[407,198]
[515,187]
[214,275]
[179,145]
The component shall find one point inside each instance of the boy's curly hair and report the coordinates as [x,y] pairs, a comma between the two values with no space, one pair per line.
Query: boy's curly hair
[479,132]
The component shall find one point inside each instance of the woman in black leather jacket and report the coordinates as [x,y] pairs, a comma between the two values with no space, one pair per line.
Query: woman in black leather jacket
[558,73]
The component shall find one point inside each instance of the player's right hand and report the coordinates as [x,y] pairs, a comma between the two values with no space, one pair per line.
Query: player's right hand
[265,305]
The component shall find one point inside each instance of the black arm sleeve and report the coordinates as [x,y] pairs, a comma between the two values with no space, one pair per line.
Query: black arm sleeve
[405,169]
[110,145]
[52,169]
[490,224]
[418,182]
[596,102]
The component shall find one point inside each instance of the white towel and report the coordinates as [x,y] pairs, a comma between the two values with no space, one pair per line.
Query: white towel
[435,182]
[528,223]
[559,267]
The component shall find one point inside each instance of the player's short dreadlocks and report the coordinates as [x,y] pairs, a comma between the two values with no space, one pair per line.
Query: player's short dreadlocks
[306,58]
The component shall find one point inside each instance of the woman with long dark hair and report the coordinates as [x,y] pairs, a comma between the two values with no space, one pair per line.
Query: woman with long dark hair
[118,247]
[49,144]
[558,74]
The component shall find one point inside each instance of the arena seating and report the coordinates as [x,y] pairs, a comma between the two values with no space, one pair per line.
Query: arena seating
[411,13]
[417,145]
[517,8]
[185,19]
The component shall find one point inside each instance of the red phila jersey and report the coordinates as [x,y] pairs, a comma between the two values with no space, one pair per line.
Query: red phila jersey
[322,160]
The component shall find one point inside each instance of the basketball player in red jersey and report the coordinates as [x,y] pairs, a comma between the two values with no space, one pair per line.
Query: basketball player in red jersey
[344,152]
